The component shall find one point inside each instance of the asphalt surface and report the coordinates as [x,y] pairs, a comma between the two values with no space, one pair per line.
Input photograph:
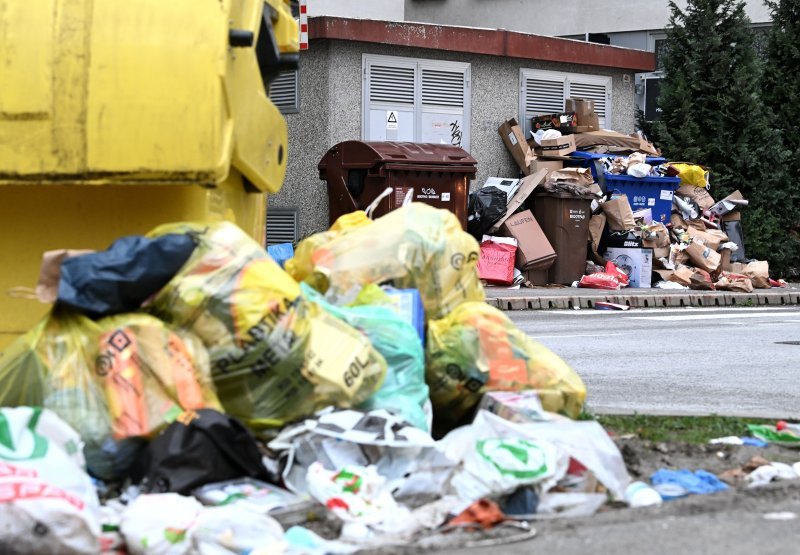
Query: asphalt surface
[763,521]
[726,361]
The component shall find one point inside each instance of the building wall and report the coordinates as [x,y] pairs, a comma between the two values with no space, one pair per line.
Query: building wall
[384,10]
[563,18]
[330,112]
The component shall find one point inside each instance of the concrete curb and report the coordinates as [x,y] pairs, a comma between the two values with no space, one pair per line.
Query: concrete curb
[667,300]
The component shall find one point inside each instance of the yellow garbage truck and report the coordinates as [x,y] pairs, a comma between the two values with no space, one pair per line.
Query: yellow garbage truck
[117,116]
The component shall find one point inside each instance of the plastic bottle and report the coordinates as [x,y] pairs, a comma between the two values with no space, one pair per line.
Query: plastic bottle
[639,494]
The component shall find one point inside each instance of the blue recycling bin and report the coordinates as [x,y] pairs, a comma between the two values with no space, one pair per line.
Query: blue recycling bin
[582,159]
[654,193]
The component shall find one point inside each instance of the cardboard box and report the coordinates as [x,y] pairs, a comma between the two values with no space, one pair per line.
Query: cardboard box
[584,109]
[560,146]
[515,142]
[514,406]
[637,263]
[534,251]
[554,121]
[526,187]
[544,163]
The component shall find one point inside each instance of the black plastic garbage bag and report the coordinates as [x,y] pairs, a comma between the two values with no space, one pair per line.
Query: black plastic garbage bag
[733,230]
[486,206]
[122,277]
[200,448]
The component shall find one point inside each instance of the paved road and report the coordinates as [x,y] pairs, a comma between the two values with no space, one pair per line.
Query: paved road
[679,361]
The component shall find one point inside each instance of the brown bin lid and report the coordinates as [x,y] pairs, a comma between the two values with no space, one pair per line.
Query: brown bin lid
[360,154]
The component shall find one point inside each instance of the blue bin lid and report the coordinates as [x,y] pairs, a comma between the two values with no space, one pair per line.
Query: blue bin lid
[652,160]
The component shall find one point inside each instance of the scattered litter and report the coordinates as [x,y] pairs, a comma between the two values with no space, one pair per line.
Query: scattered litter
[602,305]
[697,482]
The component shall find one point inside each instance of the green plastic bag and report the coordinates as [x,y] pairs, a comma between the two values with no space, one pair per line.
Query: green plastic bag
[787,438]
[404,391]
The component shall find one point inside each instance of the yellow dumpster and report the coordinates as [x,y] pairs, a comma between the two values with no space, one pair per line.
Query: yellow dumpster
[119,116]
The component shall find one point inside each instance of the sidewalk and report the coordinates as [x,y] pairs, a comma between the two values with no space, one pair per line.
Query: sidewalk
[550,298]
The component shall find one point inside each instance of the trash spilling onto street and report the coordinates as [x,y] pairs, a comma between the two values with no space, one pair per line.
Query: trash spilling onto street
[589,197]
[363,397]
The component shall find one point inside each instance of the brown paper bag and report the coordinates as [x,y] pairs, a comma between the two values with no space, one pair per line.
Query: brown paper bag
[698,194]
[597,224]
[739,284]
[50,272]
[678,256]
[703,257]
[682,275]
[701,280]
[712,238]
[758,272]
[619,213]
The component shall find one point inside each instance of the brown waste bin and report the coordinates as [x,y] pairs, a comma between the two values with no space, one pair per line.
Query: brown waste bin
[565,221]
[357,172]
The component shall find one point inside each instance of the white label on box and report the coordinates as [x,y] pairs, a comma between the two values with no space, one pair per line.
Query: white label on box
[445,197]
[512,138]
[651,202]
[391,120]
[666,195]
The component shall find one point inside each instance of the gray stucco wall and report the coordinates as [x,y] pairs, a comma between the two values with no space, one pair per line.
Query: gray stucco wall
[331,112]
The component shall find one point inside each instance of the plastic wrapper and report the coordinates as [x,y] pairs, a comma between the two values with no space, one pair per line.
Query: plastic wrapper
[274,357]
[600,280]
[415,247]
[404,391]
[476,348]
[150,374]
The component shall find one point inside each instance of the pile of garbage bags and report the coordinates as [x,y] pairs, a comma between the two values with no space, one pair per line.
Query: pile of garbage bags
[184,370]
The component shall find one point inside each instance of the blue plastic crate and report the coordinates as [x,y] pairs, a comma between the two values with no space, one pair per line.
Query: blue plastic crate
[654,193]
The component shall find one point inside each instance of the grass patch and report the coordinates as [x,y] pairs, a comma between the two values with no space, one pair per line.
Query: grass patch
[690,429]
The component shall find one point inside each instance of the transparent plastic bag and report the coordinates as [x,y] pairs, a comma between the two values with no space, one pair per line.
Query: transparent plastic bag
[151,374]
[476,348]
[415,247]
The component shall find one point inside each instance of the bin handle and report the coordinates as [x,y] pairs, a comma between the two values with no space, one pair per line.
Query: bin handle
[374,204]
[409,196]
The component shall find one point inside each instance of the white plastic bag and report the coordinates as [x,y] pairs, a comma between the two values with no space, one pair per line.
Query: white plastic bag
[234,529]
[159,524]
[48,503]
[354,494]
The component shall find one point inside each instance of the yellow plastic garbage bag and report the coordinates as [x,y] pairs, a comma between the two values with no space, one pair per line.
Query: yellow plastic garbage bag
[415,247]
[151,374]
[692,174]
[274,357]
[300,266]
[476,349]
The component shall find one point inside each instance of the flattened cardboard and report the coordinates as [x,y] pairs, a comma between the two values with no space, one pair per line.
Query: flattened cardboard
[612,138]
[711,238]
[529,183]
[534,251]
[515,142]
